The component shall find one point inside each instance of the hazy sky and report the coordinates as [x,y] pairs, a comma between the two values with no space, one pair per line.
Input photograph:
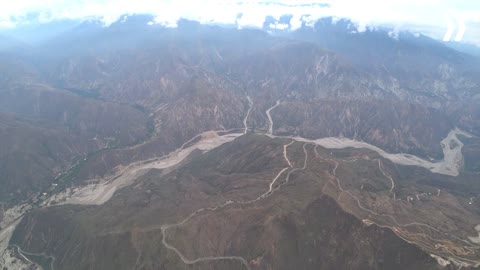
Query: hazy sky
[432,17]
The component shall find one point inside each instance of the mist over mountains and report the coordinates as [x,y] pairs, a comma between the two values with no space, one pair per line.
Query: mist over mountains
[165,122]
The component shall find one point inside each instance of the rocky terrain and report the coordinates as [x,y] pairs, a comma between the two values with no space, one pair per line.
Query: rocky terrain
[136,146]
[279,230]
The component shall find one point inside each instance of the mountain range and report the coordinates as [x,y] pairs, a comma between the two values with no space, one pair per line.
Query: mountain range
[137,146]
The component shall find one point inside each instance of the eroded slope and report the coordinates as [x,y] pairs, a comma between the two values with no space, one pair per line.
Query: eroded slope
[251,203]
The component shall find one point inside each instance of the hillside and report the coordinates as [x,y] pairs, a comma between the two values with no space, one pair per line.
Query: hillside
[139,146]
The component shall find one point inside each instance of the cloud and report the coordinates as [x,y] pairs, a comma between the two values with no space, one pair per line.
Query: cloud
[279,26]
[427,16]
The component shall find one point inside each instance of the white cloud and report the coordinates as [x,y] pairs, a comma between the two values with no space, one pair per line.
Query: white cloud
[296,22]
[426,16]
[279,26]
[6,24]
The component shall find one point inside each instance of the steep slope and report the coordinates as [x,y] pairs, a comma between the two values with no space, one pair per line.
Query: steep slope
[322,96]
[393,126]
[104,82]
[296,225]
[158,67]
[96,105]
[421,70]
[49,129]
[83,116]
[33,154]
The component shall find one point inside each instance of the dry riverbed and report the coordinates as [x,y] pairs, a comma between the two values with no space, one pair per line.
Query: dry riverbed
[100,192]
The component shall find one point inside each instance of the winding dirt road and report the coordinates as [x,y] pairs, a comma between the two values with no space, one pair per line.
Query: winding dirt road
[449,165]
[270,190]
[102,192]
[380,167]
[397,224]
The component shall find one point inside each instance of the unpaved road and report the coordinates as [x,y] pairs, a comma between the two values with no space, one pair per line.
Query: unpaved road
[453,257]
[450,165]
[10,220]
[242,260]
[285,153]
[101,192]
[201,259]
[392,187]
